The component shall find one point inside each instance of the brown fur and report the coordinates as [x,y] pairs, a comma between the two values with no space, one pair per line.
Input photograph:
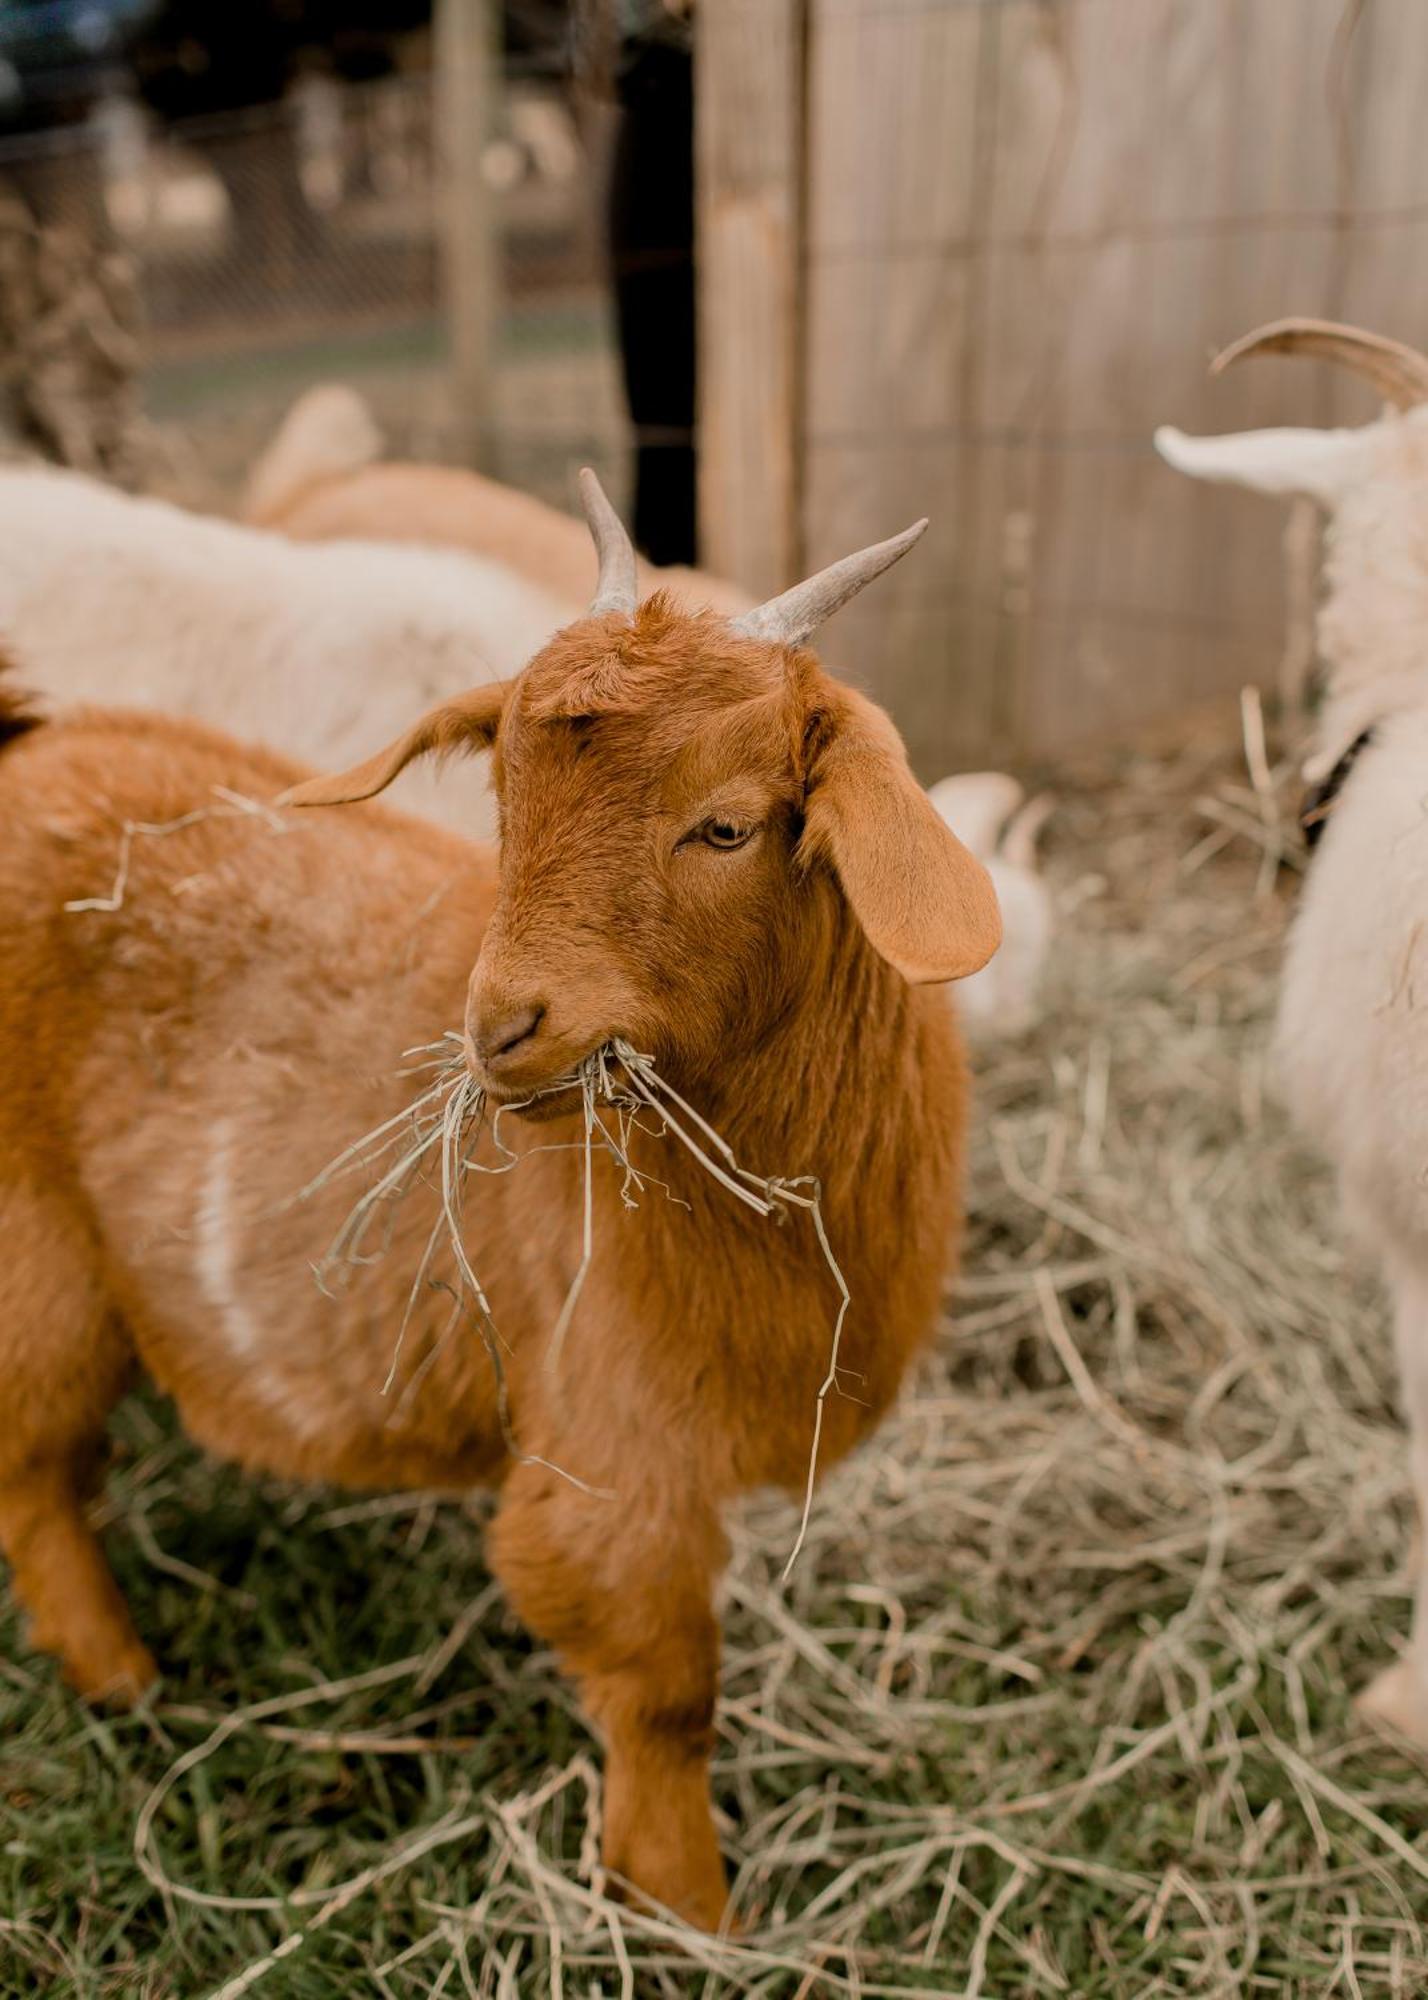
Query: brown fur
[450,507]
[176,1070]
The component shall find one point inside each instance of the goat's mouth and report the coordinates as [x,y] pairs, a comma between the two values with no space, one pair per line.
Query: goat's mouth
[535,1097]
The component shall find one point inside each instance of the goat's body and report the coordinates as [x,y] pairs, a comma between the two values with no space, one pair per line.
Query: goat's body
[447,507]
[1350,1021]
[318,650]
[1351,1037]
[319,481]
[1353,1052]
[197,1056]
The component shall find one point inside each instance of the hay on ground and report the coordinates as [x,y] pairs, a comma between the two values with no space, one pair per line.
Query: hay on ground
[1057,1701]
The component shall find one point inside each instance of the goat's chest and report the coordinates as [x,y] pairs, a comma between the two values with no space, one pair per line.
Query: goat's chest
[1352,1038]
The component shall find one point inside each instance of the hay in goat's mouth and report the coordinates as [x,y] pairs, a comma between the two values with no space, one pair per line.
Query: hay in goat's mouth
[436,1135]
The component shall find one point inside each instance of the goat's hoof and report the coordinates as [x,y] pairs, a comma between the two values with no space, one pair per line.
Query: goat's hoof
[1397,1700]
[120,1681]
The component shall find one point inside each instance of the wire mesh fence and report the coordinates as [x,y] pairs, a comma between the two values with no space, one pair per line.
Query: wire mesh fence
[301,242]
[1018,230]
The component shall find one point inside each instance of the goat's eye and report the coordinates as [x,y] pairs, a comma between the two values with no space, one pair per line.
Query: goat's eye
[725,833]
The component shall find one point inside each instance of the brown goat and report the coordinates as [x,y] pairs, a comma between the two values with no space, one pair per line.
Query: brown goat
[709,848]
[320,480]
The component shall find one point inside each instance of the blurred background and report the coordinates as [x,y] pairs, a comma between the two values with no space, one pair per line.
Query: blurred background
[299,190]
[955,257]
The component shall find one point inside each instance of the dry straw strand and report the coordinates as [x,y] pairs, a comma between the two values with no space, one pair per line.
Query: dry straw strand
[445,1120]
[231,805]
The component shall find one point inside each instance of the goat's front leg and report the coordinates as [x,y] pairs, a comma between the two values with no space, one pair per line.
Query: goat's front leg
[1398,1696]
[621,1587]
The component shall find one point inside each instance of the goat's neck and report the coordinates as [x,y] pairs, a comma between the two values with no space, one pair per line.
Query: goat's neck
[827,1083]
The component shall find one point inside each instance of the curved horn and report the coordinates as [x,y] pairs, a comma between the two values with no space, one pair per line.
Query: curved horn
[790,619]
[1398,373]
[618,585]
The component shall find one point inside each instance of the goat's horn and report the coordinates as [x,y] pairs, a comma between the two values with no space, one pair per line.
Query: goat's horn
[618,585]
[790,619]
[1399,373]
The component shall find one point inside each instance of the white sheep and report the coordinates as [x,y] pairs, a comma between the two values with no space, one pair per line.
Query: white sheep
[317,650]
[1352,1036]
[994,819]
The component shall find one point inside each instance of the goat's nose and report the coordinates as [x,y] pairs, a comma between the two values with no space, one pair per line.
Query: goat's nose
[504,1034]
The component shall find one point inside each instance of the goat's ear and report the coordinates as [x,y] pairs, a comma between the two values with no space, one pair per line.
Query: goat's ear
[1322,465]
[926,905]
[468,723]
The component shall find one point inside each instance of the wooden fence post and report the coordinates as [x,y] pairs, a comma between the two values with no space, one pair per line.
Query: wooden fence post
[466,78]
[749,86]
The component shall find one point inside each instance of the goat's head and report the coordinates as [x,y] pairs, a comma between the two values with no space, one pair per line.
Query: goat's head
[690,808]
[1373,482]
[1325,465]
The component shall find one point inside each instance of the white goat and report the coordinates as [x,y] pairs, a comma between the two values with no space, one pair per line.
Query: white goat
[1352,1036]
[993,818]
[316,649]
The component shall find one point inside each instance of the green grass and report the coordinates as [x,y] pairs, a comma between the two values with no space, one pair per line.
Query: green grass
[185,386]
[1058,1698]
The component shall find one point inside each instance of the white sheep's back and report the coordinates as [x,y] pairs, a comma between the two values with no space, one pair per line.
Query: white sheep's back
[1352,1036]
[324,651]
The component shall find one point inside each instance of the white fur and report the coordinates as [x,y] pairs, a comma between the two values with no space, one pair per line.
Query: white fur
[324,650]
[1373,624]
[1352,1036]
[1353,1016]
[981,807]
[219,1268]
[217,1261]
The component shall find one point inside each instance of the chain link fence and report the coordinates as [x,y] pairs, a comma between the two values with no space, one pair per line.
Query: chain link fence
[300,242]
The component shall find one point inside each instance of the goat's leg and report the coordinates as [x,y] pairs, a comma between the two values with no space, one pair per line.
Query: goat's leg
[1398,1697]
[62,1578]
[63,1365]
[622,1589]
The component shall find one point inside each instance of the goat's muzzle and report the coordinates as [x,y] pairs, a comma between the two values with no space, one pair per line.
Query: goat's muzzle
[501,1037]
[513,1052]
